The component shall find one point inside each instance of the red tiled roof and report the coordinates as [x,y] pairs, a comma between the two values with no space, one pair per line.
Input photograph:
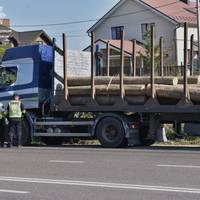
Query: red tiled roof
[175,9]
[128,46]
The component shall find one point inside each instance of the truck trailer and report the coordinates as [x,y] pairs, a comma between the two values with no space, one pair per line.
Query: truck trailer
[118,111]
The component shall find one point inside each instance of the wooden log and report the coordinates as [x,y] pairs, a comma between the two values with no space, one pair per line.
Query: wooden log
[103,80]
[113,89]
[175,92]
[191,80]
[169,92]
[194,94]
[106,100]
[135,95]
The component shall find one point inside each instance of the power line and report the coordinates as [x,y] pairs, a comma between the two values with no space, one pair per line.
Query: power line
[56,24]
[72,36]
[90,20]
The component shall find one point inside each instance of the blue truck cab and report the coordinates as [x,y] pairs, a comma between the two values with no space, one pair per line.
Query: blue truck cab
[27,71]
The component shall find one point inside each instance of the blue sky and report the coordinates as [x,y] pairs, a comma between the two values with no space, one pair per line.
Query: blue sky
[30,12]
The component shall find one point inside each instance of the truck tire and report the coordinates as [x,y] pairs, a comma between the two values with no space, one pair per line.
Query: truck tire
[143,131]
[53,141]
[110,133]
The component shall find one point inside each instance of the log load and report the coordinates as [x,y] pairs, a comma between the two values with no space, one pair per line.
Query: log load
[132,90]
[104,80]
[137,90]
[175,92]
[106,100]
[191,80]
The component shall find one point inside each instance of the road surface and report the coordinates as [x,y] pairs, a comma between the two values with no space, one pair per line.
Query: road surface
[47,173]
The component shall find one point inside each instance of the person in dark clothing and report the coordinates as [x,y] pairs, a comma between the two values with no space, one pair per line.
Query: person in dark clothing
[15,111]
[2,125]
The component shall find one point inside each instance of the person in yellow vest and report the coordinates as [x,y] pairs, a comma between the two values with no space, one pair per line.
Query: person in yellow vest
[15,111]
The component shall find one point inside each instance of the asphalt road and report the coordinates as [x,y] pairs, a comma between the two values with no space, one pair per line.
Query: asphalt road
[44,173]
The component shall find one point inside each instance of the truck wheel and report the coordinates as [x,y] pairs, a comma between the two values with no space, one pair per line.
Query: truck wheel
[52,141]
[110,133]
[144,129]
[26,138]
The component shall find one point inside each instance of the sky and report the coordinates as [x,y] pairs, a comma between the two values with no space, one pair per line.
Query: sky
[30,12]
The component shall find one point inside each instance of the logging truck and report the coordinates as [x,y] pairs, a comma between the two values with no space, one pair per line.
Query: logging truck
[117,110]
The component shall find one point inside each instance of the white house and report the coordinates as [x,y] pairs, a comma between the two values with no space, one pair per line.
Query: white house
[136,17]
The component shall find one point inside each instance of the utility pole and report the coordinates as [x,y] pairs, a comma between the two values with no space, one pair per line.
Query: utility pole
[198,31]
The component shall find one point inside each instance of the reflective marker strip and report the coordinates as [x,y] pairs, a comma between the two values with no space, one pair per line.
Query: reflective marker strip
[180,166]
[67,161]
[13,191]
[102,184]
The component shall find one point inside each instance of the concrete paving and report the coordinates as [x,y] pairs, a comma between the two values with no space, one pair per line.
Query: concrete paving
[71,172]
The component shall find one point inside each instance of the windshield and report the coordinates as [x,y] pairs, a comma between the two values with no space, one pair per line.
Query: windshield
[8,76]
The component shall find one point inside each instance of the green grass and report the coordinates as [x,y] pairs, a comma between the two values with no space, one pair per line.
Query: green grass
[184,140]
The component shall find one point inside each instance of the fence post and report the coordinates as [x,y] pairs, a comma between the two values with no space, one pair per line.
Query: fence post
[133,71]
[161,56]
[192,55]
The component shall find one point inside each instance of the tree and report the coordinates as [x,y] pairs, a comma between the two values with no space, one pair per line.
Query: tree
[147,56]
[3,47]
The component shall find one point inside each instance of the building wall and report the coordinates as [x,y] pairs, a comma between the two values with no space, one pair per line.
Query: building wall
[180,42]
[132,24]
[78,64]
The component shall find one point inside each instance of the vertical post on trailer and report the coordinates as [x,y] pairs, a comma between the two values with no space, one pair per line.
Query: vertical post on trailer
[198,31]
[122,66]
[192,55]
[108,59]
[92,65]
[133,70]
[152,101]
[65,66]
[185,61]
[161,57]
[152,63]
[53,70]
[186,96]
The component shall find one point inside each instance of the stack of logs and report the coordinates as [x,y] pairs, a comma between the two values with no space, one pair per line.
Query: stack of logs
[169,90]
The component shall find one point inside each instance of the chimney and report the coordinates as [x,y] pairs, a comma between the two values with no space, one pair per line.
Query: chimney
[186,1]
[5,22]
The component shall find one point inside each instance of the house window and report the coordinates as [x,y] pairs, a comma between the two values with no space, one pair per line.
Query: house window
[116,32]
[146,28]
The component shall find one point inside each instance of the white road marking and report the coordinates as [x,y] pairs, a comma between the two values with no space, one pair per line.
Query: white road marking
[102,185]
[14,191]
[66,161]
[180,166]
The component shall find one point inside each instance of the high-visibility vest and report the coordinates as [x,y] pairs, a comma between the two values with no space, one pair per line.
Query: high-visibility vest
[1,115]
[15,109]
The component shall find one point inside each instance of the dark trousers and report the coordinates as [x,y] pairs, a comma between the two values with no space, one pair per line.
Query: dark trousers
[15,132]
[2,132]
